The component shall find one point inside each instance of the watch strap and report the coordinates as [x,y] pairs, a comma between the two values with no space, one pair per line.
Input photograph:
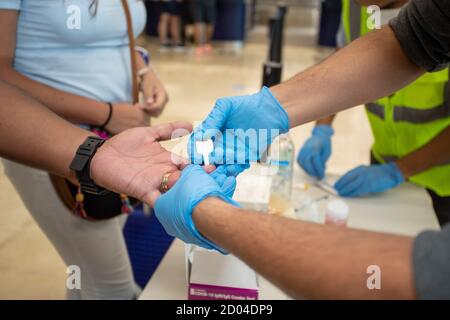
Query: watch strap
[81,164]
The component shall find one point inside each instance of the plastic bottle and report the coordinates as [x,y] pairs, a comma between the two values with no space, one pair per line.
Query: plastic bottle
[336,213]
[282,159]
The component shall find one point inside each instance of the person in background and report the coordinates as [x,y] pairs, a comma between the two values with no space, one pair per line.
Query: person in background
[203,12]
[75,60]
[402,123]
[170,24]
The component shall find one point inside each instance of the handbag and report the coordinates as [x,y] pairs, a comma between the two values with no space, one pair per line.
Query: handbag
[100,207]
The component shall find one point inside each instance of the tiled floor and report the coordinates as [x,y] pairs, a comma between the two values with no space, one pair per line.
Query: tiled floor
[29,266]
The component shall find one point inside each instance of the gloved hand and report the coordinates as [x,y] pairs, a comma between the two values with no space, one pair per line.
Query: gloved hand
[174,208]
[316,151]
[242,128]
[364,180]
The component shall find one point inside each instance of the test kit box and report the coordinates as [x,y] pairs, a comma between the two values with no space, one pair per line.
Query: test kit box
[213,276]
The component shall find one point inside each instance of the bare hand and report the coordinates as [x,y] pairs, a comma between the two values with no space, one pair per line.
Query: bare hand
[155,96]
[126,116]
[133,162]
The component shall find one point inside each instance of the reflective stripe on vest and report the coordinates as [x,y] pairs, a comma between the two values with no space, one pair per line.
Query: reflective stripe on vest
[412,115]
[355,21]
[351,17]
[376,109]
[394,158]
[415,115]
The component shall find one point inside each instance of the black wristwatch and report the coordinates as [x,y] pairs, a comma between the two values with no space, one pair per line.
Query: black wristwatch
[81,164]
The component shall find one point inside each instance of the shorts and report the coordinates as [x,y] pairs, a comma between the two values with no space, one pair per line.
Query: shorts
[172,7]
[203,11]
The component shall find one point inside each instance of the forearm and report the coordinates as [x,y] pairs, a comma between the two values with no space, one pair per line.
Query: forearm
[327,120]
[35,136]
[434,153]
[369,68]
[140,63]
[76,109]
[310,260]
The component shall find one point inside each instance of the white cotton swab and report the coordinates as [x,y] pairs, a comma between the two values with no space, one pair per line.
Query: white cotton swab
[204,148]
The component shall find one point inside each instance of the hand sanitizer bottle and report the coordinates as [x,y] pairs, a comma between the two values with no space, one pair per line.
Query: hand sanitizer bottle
[283,162]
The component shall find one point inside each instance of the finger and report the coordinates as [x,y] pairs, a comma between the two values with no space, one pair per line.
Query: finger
[171,130]
[140,106]
[150,100]
[325,153]
[358,192]
[153,105]
[318,166]
[219,178]
[347,178]
[210,168]
[219,170]
[305,163]
[310,167]
[148,92]
[148,107]
[179,161]
[351,188]
[151,197]
[173,178]
[229,186]
[235,169]
[159,99]
[175,175]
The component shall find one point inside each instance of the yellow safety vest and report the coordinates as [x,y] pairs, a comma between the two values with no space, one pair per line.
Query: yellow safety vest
[408,119]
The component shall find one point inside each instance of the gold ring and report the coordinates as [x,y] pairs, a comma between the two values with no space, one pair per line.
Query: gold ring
[165,182]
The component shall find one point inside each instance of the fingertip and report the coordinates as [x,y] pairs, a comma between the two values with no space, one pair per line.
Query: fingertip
[151,198]
[229,186]
[221,169]
[231,180]
[220,179]
[209,168]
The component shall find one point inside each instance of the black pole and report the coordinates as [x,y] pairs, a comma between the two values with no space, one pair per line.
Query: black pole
[276,45]
[272,69]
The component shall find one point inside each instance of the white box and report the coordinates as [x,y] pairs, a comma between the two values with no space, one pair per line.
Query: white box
[214,276]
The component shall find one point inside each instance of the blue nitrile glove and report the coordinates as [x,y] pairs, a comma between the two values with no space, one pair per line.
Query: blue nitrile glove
[174,208]
[364,180]
[227,184]
[232,121]
[316,151]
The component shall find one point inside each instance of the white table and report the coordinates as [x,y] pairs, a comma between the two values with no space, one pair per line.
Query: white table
[405,210]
